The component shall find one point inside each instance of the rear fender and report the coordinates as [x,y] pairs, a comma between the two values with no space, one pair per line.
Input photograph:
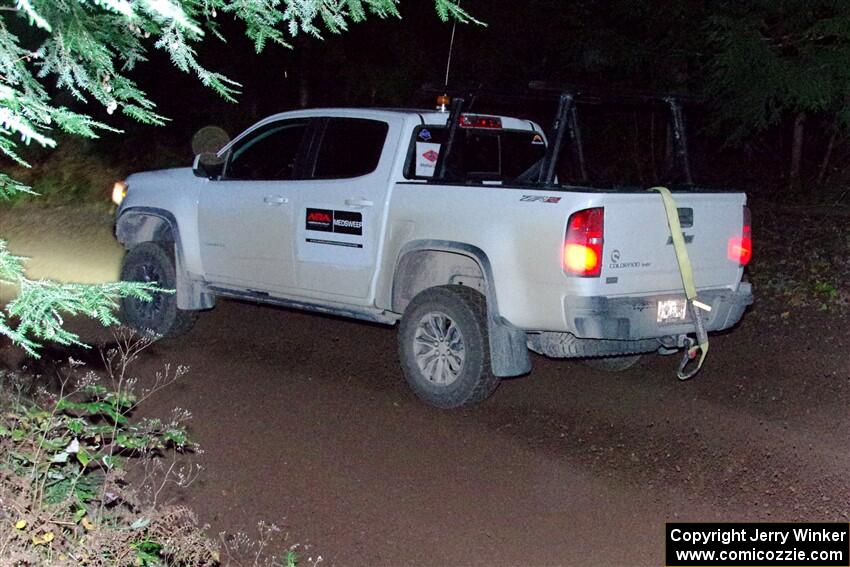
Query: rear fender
[427,263]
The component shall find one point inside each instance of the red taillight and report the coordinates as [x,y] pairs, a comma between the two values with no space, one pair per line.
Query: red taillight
[477,121]
[583,243]
[740,248]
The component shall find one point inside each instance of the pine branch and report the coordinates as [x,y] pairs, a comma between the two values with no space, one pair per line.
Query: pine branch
[41,307]
[9,188]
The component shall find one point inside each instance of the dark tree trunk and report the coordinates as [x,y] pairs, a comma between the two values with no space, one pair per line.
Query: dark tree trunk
[668,156]
[303,91]
[303,66]
[794,177]
[827,157]
[638,162]
[652,147]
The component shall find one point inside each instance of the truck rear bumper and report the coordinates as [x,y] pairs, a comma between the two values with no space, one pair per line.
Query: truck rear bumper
[632,318]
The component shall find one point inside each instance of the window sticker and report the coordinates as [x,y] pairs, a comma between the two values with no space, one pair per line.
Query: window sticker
[425,135]
[427,154]
[537,140]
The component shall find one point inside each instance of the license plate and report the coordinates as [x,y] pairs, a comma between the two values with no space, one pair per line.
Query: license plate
[671,310]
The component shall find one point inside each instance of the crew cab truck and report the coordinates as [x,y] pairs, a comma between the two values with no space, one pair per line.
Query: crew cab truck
[437,222]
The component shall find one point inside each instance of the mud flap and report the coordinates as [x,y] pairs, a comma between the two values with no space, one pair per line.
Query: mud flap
[191,293]
[508,348]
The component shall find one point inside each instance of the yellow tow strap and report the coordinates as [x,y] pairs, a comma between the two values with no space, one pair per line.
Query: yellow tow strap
[687,274]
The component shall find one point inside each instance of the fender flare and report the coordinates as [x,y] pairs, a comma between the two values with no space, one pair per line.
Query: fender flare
[190,294]
[123,232]
[508,345]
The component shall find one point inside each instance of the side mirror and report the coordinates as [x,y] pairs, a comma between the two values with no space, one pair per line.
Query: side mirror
[207,144]
[208,166]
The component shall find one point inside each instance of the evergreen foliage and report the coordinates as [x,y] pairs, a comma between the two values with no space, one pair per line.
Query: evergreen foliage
[88,48]
[770,59]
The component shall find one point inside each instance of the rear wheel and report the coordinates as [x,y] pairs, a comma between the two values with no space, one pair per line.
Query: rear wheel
[150,262]
[444,347]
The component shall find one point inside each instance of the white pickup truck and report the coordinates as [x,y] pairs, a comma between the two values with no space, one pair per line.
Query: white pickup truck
[402,216]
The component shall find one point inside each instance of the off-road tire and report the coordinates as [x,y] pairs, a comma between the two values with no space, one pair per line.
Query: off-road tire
[154,263]
[612,363]
[466,309]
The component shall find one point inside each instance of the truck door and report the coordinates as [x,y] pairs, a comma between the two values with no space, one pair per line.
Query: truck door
[245,219]
[339,211]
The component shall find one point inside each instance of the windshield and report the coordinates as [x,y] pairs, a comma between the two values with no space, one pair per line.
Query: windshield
[478,155]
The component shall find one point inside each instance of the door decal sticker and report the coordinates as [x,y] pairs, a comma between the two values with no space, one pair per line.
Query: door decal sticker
[320,219]
[346,222]
[334,243]
[342,222]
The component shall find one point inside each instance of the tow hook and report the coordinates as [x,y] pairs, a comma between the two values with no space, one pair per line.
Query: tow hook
[689,356]
[695,350]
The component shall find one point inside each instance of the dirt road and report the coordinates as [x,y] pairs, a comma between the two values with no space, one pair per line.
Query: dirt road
[306,422]
[72,244]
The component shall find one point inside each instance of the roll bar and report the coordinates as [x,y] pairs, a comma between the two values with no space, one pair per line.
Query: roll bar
[565,125]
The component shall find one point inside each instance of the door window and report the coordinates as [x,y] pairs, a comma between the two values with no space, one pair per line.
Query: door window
[350,147]
[269,153]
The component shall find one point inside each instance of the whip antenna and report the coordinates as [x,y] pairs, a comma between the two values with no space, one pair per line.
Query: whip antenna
[451,47]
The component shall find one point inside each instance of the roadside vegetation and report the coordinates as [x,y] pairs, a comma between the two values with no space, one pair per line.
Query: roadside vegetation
[800,263]
[84,482]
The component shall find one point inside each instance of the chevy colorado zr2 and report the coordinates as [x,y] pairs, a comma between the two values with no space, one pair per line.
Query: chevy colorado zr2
[443,223]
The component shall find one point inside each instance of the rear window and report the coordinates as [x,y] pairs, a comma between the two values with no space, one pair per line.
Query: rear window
[350,147]
[478,155]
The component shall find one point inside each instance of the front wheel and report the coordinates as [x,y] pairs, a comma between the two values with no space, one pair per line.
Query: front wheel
[151,263]
[444,347]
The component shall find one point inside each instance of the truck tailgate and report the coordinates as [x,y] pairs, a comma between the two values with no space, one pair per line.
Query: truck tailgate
[638,250]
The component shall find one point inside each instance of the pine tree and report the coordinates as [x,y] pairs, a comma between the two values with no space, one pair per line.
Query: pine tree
[89,48]
[773,61]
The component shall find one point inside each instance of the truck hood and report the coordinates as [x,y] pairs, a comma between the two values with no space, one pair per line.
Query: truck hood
[160,175]
[167,189]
